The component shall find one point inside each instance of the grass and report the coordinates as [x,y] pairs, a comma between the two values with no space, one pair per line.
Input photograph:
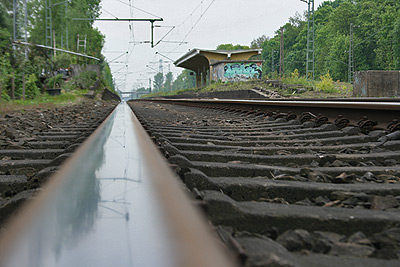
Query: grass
[177,92]
[325,87]
[214,87]
[336,89]
[43,101]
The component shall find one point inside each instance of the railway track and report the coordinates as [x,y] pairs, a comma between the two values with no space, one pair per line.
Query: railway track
[281,188]
[35,143]
[113,202]
[284,188]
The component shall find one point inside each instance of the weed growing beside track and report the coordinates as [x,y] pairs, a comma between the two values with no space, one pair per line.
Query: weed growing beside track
[44,101]
[326,88]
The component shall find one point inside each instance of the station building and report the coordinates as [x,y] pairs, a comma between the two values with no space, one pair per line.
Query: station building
[221,65]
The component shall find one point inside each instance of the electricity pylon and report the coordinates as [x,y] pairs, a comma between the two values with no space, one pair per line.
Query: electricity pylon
[48,24]
[310,40]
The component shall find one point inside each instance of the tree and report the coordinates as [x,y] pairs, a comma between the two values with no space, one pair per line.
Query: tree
[158,82]
[185,80]
[16,69]
[61,21]
[376,38]
[232,47]
[258,42]
[396,37]
[5,18]
[5,72]
[168,82]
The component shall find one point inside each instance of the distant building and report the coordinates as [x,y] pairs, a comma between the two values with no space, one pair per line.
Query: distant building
[223,65]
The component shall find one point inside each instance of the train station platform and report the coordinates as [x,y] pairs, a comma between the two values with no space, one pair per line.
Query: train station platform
[220,64]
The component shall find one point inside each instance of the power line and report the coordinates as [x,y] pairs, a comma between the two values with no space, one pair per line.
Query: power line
[173,27]
[195,24]
[144,11]
[201,16]
[109,13]
[191,14]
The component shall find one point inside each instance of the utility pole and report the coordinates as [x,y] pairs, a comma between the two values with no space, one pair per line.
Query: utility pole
[149,85]
[66,25]
[310,65]
[351,55]
[160,67]
[25,25]
[48,24]
[15,7]
[272,61]
[129,19]
[282,56]
[26,50]
[54,42]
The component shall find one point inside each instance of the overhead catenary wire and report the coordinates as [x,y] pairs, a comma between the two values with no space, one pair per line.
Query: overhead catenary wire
[201,16]
[193,26]
[109,13]
[144,11]
[171,38]
[131,44]
[177,28]
[173,27]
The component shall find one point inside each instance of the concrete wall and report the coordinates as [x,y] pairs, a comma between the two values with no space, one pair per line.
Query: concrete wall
[377,83]
[76,69]
[236,71]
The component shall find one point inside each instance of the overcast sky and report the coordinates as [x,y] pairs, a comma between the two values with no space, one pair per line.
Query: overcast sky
[201,23]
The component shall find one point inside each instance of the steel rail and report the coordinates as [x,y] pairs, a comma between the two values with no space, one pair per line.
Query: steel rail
[300,103]
[383,111]
[115,202]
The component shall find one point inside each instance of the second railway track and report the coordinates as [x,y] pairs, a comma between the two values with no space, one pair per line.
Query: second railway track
[283,189]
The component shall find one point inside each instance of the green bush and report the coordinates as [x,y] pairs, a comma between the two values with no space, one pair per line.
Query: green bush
[326,84]
[62,60]
[295,78]
[32,90]
[5,96]
[85,79]
[55,81]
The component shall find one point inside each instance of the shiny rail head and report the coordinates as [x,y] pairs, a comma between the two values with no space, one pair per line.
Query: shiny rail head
[384,113]
[382,104]
[115,202]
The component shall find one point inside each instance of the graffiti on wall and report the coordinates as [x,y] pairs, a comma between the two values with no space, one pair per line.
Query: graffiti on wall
[242,71]
[237,71]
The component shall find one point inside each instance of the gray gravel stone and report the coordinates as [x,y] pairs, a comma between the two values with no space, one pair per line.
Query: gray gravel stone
[351,249]
[296,240]
[383,202]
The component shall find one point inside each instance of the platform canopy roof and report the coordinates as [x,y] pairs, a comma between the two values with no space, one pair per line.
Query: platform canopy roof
[200,59]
